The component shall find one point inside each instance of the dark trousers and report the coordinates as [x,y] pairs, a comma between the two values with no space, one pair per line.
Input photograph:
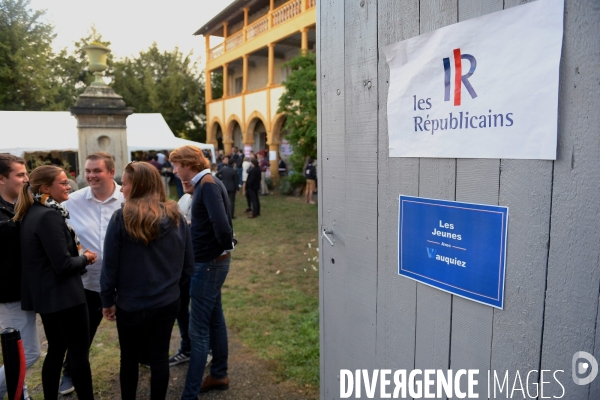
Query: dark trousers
[145,335]
[254,200]
[94,309]
[67,329]
[232,202]
[207,325]
[183,317]
[248,201]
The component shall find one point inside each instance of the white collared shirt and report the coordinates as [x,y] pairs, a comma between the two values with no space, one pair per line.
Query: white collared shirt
[90,217]
[199,176]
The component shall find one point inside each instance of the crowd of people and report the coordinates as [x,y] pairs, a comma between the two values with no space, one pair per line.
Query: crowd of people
[126,253]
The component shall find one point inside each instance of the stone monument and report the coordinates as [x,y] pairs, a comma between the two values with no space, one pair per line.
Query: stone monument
[101,115]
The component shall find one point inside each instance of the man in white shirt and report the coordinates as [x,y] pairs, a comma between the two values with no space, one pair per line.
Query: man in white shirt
[90,211]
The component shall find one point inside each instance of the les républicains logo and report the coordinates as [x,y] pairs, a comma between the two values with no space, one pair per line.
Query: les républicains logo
[428,121]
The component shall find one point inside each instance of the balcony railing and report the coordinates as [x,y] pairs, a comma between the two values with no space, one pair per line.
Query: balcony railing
[287,11]
[216,51]
[278,16]
[234,40]
[257,27]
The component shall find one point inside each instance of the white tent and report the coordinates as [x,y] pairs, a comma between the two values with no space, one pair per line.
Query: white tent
[29,131]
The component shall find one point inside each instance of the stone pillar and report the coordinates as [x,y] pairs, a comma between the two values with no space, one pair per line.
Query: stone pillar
[101,115]
[274,162]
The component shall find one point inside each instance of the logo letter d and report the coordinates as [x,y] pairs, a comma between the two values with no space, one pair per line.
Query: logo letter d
[582,368]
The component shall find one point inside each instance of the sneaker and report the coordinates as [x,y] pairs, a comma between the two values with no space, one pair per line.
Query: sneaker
[66,385]
[178,358]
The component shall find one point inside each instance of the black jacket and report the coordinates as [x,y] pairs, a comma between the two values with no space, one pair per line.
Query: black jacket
[310,172]
[51,264]
[253,181]
[212,231]
[10,254]
[137,276]
[229,177]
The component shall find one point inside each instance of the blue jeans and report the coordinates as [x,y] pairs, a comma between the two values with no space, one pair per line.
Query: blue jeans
[207,328]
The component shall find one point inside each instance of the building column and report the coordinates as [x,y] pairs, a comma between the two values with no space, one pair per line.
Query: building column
[245,74]
[225,80]
[304,47]
[225,36]
[271,7]
[227,145]
[246,9]
[208,86]
[274,162]
[271,63]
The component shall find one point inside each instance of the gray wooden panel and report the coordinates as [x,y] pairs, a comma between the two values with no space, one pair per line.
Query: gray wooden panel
[595,385]
[437,181]
[526,188]
[396,297]
[434,307]
[573,261]
[477,181]
[360,233]
[436,14]
[468,9]
[331,190]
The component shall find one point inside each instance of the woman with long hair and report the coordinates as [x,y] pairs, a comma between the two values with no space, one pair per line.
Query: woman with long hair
[147,249]
[53,261]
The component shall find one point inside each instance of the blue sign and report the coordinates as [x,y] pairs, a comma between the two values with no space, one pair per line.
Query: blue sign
[456,247]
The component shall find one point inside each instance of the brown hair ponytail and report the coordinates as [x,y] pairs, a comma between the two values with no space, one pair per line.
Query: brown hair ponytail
[44,175]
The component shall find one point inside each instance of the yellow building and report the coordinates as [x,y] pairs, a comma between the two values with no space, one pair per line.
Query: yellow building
[258,37]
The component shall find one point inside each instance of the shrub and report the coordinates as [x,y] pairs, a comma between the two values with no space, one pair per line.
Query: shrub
[285,187]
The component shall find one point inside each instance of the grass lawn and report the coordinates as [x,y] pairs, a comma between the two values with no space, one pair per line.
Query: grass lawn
[271,296]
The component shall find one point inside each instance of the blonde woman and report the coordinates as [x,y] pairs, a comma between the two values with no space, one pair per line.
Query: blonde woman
[147,250]
[53,262]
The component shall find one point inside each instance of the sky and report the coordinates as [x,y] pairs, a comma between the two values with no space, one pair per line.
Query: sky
[132,25]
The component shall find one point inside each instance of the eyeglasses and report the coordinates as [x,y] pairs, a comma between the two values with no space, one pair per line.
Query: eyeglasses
[129,167]
[64,183]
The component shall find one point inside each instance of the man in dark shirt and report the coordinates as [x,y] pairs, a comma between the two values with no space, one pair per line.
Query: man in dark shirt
[13,175]
[253,186]
[153,160]
[229,177]
[212,239]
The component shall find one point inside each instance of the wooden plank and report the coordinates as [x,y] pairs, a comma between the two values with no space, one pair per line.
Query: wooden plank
[573,274]
[477,181]
[358,341]
[434,307]
[332,184]
[396,297]
[436,180]
[526,188]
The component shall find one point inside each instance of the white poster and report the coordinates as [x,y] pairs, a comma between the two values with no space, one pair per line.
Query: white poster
[483,88]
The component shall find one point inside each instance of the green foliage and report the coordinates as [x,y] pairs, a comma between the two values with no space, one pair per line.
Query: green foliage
[285,187]
[25,48]
[217,85]
[297,179]
[164,82]
[299,103]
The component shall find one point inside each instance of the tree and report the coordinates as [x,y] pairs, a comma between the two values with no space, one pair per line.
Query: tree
[25,49]
[299,103]
[164,82]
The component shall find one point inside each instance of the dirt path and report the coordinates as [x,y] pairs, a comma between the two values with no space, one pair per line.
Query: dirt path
[250,377]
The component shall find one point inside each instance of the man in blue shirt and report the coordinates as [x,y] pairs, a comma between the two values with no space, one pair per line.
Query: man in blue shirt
[212,239]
